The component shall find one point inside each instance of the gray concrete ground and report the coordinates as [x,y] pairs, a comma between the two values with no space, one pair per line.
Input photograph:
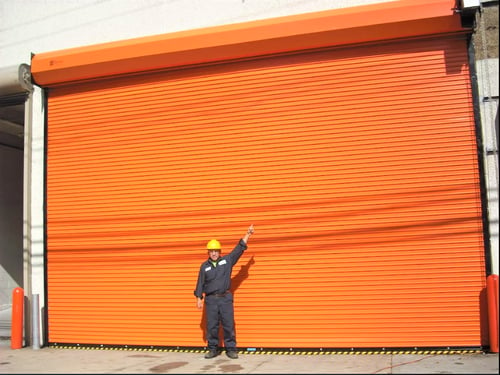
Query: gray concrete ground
[99,361]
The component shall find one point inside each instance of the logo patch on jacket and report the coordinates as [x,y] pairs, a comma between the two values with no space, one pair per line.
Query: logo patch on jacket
[223,261]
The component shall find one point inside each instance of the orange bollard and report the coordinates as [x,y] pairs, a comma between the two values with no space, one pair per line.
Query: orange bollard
[492,291]
[16,339]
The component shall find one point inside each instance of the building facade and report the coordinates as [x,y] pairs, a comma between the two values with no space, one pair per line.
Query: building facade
[360,141]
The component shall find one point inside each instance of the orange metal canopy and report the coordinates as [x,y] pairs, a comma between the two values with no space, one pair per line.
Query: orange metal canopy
[389,20]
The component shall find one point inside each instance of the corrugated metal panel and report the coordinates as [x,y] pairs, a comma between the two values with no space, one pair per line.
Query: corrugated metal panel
[357,166]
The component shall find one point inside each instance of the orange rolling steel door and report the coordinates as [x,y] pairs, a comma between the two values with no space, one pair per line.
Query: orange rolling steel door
[357,166]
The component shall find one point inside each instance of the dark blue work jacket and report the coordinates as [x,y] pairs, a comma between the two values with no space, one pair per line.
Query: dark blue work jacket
[215,277]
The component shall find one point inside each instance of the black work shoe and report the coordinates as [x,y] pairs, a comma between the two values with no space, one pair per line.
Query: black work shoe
[233,354]
[211,354]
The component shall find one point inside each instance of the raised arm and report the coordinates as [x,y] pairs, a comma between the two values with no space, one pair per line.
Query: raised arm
[249,232]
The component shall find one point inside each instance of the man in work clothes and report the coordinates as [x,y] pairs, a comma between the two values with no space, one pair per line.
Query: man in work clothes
[214,280]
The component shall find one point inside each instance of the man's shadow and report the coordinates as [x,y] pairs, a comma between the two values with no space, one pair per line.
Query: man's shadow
[236,281]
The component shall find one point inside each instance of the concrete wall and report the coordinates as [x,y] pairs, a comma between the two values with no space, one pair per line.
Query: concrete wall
[485,42]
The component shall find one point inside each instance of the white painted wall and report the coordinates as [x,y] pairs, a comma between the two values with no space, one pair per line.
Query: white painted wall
[35,26]
[488,87]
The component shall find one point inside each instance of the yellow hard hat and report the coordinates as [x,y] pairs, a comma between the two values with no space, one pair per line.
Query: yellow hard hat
[213,245]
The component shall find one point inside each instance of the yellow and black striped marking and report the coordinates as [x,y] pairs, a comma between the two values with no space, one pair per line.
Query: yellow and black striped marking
[263,351]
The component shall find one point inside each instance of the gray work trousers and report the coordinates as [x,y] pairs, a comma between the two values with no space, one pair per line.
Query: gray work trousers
[220,310]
